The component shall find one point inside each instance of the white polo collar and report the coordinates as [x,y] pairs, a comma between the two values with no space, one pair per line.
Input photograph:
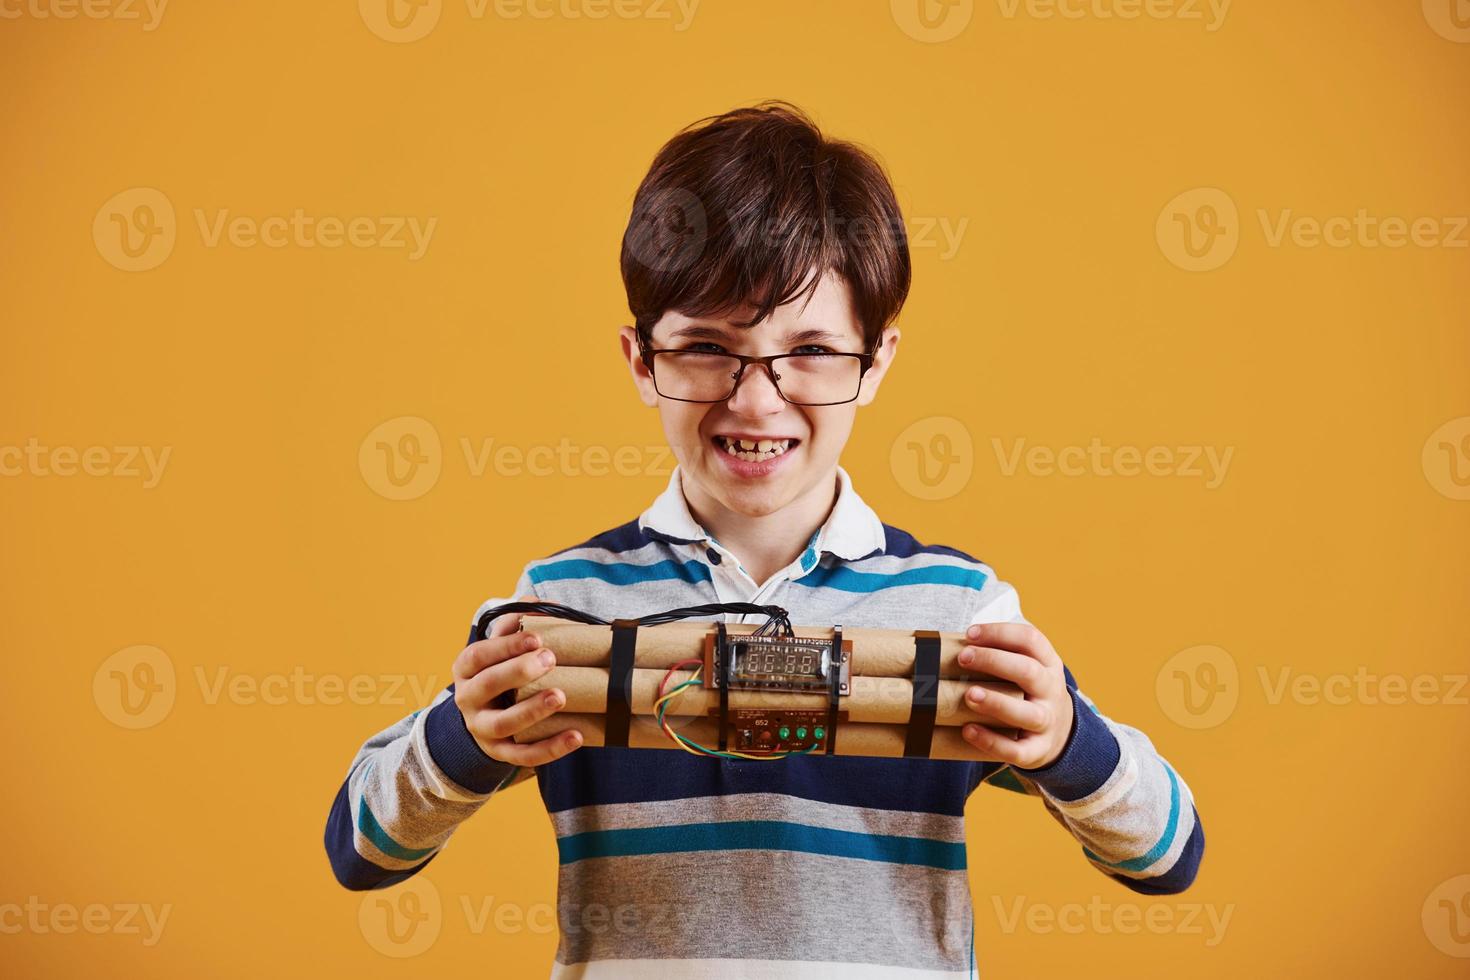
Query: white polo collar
[851,531]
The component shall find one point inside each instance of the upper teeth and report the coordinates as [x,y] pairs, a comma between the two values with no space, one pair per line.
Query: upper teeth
[752,447]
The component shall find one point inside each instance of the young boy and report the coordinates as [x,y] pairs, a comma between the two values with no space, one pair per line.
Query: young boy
[753,235]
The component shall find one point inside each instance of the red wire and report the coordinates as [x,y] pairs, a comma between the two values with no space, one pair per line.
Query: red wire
[670,673]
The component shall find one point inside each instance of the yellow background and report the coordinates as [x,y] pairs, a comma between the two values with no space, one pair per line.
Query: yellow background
[1331,546]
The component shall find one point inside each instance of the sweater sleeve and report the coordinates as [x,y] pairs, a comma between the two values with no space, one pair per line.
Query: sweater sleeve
[407,790]
[1120,799]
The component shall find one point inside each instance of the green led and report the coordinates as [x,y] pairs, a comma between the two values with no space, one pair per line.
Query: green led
[784,732]
[801,733]
[819,733]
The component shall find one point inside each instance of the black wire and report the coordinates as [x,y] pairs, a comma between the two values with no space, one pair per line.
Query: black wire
[778,620]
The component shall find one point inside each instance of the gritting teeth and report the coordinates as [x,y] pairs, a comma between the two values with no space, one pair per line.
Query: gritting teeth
[754,451]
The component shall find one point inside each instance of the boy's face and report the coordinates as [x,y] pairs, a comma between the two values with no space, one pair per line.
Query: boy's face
[700,434]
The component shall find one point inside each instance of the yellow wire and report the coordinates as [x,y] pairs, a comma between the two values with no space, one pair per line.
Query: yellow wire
[680,742]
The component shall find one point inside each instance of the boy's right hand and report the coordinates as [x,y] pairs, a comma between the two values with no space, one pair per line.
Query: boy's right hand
[501,662]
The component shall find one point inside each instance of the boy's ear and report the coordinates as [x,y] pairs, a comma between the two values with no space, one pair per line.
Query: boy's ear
[883,356]
[628,340]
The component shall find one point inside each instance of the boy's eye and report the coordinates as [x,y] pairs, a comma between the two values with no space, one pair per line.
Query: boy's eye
[813,349]
[702,347]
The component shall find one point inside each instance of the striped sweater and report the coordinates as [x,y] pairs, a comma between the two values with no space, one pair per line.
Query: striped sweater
[816,867]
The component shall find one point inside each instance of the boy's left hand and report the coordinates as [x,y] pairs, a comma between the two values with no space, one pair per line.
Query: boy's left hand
[1019,653]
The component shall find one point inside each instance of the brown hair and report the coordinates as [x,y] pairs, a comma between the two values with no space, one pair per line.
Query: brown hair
[743,207]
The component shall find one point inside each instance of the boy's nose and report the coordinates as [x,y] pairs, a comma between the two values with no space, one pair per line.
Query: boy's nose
[755,394]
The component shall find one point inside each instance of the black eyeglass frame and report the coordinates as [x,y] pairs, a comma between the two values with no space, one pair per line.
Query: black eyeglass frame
[769,360]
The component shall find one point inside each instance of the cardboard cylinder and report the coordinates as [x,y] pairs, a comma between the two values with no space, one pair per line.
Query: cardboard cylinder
[874,700]
[852,739]
[875,652]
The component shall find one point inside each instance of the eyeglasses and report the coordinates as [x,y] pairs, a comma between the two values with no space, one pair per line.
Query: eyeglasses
[800,379]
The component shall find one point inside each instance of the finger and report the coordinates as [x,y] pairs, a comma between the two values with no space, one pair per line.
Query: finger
[1017,637]
[507,624]
[1009,710]
[993,744]
[510,722]
[496,679]
[486,653]
[1025,672]
[540,752]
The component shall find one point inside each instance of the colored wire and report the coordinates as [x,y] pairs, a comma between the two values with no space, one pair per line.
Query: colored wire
[688,744]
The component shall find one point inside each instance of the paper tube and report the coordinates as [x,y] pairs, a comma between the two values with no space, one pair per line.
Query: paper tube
[852,739]
[876,700]
[875,652]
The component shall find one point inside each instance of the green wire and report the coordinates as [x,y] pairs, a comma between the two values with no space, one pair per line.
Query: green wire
[663,706]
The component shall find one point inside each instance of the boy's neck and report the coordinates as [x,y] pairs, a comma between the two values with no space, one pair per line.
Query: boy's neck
[765,545]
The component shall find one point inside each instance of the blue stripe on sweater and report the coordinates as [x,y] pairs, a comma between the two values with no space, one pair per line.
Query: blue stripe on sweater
[845,579]
[767,835]
[619,573]
[1165,842]
[368,826]
[596,775]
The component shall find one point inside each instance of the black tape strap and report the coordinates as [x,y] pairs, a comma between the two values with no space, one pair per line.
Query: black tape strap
[926,694]
[722,664]
[834,690]
[620,681]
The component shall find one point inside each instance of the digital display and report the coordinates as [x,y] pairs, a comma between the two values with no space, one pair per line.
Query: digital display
[779,662]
